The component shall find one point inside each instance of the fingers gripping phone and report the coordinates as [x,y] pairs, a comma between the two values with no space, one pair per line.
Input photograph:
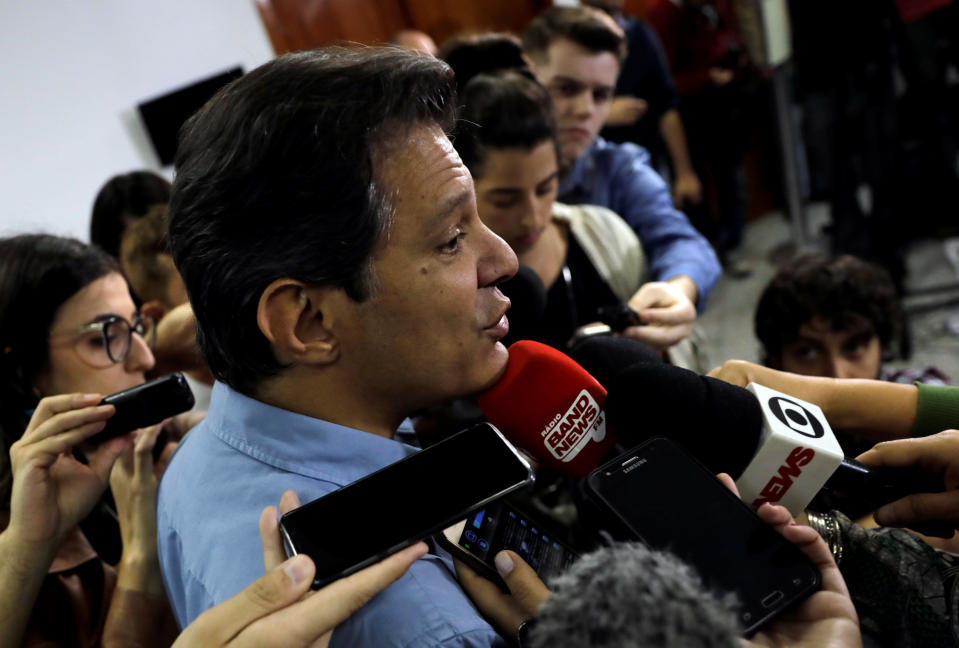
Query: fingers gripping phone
[668,500]
[144,405]
[618,316]
[361,523]
[502,525]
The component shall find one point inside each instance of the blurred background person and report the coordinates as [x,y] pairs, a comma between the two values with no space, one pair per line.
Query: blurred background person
[69,335]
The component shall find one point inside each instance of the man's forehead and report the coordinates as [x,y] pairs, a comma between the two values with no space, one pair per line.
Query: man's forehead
[420,167]
[567,58]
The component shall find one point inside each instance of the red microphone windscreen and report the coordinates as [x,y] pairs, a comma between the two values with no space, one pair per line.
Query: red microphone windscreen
[551,407]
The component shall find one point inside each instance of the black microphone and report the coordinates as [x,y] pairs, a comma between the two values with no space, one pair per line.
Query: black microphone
[527,297]
[606,356]
[779,449]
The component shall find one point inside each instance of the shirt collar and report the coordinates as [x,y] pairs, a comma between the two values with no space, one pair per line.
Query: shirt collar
[298,443]
[581,177]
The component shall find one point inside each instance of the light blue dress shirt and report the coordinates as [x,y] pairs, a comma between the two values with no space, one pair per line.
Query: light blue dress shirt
[242,458]
[618,177]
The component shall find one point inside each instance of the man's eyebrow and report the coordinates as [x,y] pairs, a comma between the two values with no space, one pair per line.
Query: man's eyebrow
[559,78]
[448,208]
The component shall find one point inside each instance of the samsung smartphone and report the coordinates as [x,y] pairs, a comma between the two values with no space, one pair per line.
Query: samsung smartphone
[477,539]
[144,405]
[361,523]
[671,502]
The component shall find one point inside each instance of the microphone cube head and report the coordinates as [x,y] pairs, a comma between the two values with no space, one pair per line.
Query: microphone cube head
[551,407]
[797,453]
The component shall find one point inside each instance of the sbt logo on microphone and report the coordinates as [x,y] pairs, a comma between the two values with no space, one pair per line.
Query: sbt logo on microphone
[797,453]
[569,433]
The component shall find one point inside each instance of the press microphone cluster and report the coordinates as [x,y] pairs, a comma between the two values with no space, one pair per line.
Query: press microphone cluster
[779,449]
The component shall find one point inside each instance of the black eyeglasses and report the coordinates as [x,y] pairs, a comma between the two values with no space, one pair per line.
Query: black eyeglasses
[113,338]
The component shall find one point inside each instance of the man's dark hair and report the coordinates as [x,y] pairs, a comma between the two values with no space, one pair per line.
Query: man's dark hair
[38,273]
[275,178]
[584,26]
[843,290]
[142,253]
[123,198]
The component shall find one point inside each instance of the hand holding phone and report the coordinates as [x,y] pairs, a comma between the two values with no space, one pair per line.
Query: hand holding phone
[145,405]
[662,496]
[502,525]
[618,316]
[404,502]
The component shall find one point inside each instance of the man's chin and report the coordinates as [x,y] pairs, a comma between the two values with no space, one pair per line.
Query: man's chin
[498,362]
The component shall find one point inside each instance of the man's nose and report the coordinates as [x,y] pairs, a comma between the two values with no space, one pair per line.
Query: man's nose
[583,104]
[497,261]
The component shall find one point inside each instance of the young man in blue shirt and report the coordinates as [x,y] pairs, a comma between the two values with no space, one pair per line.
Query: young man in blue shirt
[576,52]
[327,234]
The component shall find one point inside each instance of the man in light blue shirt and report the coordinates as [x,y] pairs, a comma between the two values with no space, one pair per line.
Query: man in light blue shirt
[341,278]
[576,52]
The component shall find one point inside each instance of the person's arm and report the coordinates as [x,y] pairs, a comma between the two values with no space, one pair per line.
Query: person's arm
[872,409]
[672,246]
[139,614]
[625,110]
[686,185]
[51,493]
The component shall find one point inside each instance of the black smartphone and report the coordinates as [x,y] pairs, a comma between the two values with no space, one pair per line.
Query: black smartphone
[143,405]
[665,498]
[618,316]
[503,525]
[361,523]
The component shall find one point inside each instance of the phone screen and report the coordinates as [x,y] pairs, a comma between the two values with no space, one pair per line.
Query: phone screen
[500,526]
[672,503]
[358,524]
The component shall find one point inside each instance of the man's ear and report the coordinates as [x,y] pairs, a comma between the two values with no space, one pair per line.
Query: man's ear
[292,315]
[154,308]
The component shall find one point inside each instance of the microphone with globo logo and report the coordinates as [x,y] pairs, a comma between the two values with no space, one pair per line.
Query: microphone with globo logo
[778,448]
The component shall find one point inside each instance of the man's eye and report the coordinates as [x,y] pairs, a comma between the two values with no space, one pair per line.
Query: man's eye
[606,94]
[503,204]
[567,89]
[452,245]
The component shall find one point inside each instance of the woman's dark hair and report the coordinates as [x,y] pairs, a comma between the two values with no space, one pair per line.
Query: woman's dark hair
[124,197]
[275,178]
[473,54]
[38,273]
[504,109]
[842,290]
[501,103]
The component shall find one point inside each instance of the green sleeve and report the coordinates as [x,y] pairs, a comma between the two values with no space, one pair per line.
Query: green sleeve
[938,409]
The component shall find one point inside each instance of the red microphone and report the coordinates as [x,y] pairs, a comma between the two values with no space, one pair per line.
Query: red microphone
[551,407]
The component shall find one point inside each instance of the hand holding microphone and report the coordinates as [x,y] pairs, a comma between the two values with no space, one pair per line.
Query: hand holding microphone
[934,513]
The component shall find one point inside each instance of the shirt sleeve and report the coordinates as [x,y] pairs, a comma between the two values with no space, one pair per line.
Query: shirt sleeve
[672,246]
[938,409]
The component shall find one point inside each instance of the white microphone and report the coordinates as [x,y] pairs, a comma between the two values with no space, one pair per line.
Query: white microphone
[796,437]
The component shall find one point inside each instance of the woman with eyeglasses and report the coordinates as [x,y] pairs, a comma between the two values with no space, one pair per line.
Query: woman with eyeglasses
[69,335]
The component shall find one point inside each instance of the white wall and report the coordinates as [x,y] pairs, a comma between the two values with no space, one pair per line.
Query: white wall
[71,74]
